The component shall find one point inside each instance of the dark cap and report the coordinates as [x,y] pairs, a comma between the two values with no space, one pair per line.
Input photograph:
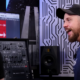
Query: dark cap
[74,10]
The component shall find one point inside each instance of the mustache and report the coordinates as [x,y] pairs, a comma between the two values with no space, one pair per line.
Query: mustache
[67,29]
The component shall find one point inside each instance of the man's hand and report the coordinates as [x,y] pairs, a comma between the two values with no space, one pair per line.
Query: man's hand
[2,79]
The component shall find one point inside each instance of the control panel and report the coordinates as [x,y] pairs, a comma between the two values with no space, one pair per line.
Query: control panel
[15,59]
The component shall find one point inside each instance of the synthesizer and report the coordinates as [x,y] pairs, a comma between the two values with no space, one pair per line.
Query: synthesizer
[15,59]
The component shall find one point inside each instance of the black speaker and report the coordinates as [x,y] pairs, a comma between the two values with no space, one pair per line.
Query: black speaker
[50,60]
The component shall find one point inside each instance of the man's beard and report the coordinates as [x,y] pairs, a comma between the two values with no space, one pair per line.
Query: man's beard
[73,37]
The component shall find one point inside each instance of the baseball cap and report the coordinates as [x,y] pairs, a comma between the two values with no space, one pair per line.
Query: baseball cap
[74,10]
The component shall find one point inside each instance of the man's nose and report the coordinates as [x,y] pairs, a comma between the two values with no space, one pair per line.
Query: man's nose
[65,25]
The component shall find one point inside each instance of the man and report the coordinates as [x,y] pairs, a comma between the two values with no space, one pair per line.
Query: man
[71,25]
[1,68]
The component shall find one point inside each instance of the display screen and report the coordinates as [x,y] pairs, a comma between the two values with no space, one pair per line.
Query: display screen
[9,25]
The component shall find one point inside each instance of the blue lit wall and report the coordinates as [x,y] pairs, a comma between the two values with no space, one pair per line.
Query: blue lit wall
[52,33]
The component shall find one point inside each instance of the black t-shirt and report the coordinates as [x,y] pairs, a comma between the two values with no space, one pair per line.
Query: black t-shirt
[1,67]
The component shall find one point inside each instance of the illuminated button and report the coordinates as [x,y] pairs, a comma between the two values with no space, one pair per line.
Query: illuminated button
[26,66]
[48,50]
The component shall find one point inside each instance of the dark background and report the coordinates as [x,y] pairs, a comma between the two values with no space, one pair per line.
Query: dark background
[19,5]
[18,2]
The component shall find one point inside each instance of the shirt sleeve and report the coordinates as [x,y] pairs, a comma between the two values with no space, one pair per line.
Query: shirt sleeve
[1,67]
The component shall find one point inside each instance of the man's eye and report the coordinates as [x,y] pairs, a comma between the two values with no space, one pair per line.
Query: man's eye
[68,19]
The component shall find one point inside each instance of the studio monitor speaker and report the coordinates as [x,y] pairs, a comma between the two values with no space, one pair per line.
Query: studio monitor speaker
[50,60]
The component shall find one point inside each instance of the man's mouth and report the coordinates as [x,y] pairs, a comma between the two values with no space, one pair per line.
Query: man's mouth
[68,31]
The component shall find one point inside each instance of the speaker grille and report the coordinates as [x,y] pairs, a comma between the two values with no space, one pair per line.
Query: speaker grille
[50,60]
